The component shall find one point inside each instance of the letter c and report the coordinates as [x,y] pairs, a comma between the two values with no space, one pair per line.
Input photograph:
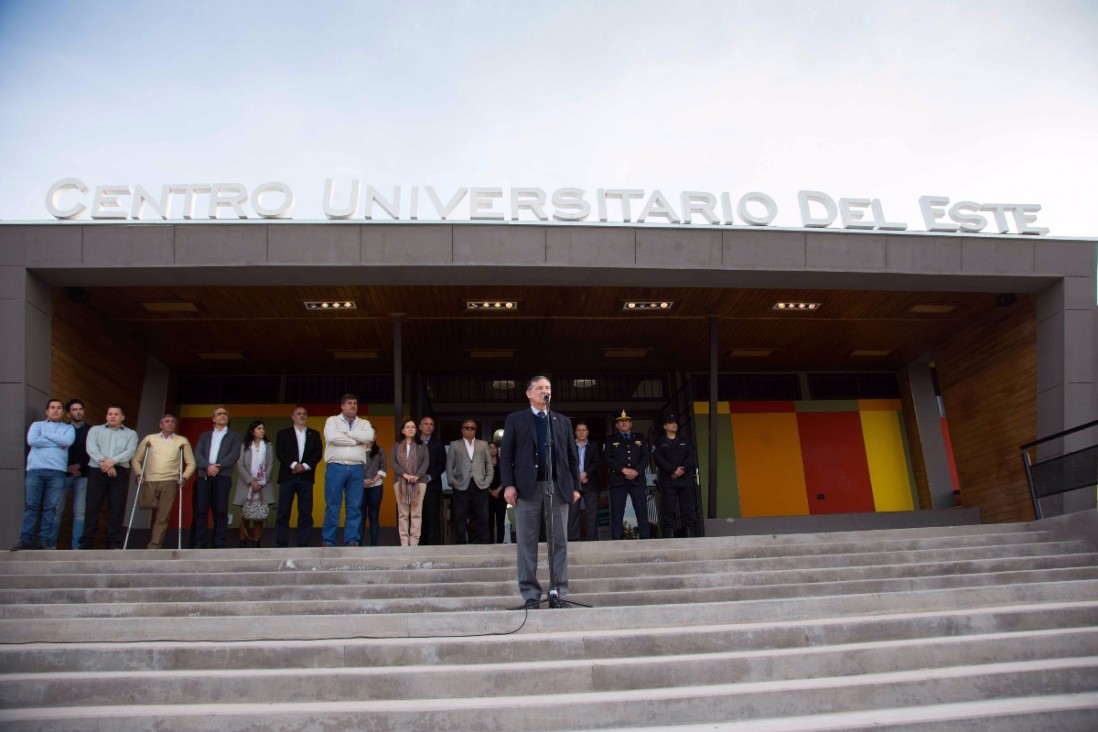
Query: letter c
[55,192]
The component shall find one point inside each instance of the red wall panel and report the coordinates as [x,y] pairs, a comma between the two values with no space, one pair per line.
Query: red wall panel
[836,472]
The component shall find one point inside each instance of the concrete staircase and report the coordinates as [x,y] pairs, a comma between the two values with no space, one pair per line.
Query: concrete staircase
[967,628]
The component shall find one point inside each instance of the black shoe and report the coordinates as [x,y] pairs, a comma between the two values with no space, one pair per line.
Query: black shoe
[23,546]
[531,604]
[556,602]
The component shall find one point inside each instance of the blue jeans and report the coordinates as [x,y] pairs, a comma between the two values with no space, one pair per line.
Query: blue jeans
[340,481]
[44,490]
[372,508]
[78,486]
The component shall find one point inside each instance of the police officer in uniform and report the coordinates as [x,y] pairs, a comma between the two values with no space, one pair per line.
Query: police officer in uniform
[675,466]
[626,456]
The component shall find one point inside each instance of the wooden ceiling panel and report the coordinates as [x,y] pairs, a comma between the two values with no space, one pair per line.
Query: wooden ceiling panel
[555,328]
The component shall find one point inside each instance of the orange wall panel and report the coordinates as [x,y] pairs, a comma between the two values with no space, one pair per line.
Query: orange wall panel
[768,464]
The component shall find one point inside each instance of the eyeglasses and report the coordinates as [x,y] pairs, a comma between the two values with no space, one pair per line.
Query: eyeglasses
[468,427]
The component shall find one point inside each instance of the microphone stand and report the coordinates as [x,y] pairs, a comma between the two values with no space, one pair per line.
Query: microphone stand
[554,599]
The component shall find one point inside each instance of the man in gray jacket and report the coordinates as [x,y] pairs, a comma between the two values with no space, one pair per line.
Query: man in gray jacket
[469,470]
[216,454]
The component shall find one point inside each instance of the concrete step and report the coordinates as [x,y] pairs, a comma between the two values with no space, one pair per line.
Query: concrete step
[482,596]
[581,554]
[274,587]
[648,707]
[1053,713]
[588,644]
[906,629]
[258,570]
[528,677]
[245,626]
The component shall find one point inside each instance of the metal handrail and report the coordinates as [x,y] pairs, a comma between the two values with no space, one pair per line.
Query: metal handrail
[1058,435]
[1029,465]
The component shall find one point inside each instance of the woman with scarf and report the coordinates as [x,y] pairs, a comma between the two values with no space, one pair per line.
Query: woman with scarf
[254,473]
[409,462]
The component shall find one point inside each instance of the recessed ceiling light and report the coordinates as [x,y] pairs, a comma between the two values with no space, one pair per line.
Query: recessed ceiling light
[503,384]
[505,305]
[647,305]
[330,305]
[583,383]
[797,306]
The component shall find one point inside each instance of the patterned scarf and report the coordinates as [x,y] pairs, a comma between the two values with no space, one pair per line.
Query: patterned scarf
[408,491]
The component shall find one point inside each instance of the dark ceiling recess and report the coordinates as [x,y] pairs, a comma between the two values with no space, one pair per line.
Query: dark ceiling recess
[557,329]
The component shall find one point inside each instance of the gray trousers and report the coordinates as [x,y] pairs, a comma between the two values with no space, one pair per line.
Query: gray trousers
[529,515]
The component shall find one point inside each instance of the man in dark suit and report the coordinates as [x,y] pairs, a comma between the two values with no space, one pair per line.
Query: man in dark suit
[540,488]
[214,456]
[626,456]
[436,466]
[298,450]
[589,453]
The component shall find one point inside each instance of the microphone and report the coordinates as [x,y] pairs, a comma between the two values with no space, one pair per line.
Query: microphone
[545,398]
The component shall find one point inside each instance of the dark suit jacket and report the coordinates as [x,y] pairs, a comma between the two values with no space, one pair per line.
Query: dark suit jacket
[436,456]
[286,451]
[518,456]
[591,458]
[228,452]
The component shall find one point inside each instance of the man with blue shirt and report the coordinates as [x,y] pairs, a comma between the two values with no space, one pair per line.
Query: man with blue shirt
[47,466]
[110,447]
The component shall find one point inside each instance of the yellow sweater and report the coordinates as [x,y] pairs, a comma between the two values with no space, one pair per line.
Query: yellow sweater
[164,457]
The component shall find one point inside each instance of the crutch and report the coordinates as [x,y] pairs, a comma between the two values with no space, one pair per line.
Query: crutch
[140,478]
[180,482]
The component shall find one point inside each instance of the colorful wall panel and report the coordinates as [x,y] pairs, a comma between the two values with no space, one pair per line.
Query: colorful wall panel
[768,459]
[799,458]
[836,470]
[728,489]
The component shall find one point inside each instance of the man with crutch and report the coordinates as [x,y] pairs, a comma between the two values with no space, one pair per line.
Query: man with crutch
[163,463]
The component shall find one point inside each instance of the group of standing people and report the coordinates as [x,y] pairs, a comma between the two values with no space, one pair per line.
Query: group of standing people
[94,465]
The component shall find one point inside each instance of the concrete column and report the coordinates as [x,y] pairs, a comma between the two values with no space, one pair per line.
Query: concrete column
[26,310]
[146,420]
[1067,370]
[929,419]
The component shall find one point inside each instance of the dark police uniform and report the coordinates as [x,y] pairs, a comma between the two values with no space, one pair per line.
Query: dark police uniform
[679,504]
[621,451]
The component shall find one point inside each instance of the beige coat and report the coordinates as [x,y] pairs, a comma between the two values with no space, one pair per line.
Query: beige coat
[246,470]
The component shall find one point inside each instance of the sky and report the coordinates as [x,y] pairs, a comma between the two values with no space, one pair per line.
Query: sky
[981,101]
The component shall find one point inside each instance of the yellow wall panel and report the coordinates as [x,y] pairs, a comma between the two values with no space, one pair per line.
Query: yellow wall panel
[888,471]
